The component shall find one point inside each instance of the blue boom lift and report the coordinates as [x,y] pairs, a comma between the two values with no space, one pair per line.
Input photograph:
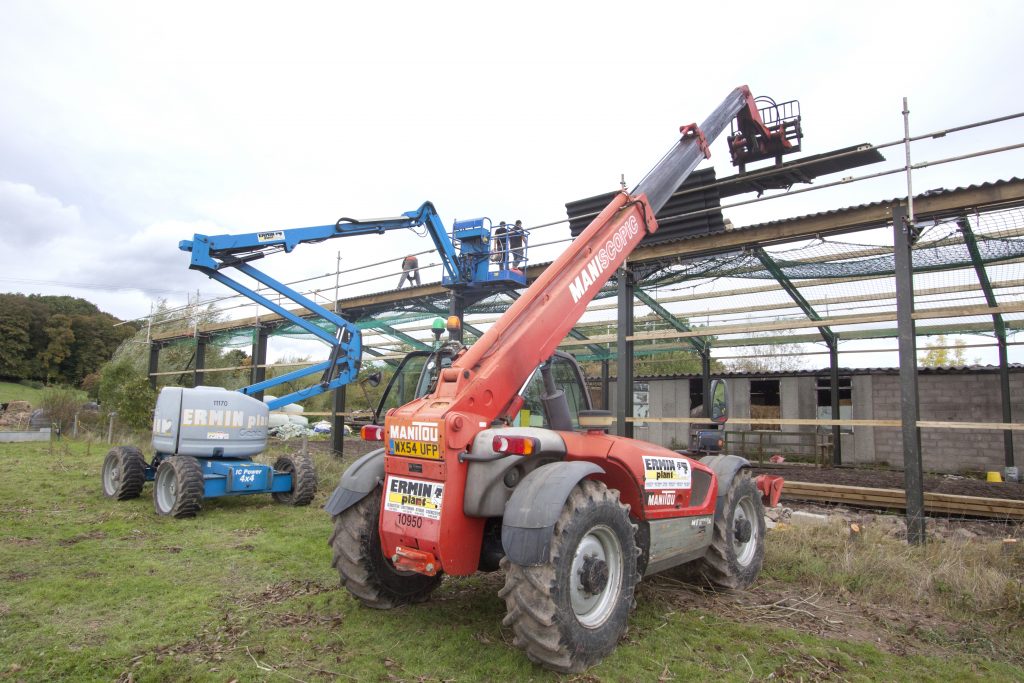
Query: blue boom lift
[205,437]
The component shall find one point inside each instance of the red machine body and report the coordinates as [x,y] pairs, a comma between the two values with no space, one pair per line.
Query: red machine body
[426,439]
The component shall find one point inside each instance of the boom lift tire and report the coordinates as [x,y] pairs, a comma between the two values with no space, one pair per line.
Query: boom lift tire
[303,472]
[734,558]
[361,564]
[124,473]
[570,613]
[178,487]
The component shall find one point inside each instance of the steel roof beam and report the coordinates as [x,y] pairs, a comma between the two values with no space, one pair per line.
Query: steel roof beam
[769,263]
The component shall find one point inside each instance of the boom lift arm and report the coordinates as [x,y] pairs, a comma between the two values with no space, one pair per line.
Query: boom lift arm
[214,254]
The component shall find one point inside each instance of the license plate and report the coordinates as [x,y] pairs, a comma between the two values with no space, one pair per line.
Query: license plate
[415,449]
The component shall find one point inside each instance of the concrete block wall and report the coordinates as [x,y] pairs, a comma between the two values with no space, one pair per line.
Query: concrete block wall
[949,398]
[861,451]
[798,398]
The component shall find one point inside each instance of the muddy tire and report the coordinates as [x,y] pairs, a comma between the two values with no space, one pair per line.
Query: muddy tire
[570,613]
[124,473]
[736,554]
[178,487]
[364,571]
[303,472]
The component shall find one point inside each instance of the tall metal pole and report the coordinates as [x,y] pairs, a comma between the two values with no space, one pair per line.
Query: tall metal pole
[906,149]
[904,235]
[338,426]
[624,382]
[833,362]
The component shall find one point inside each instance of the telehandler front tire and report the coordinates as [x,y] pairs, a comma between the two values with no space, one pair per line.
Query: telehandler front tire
[569,613]
[360,561]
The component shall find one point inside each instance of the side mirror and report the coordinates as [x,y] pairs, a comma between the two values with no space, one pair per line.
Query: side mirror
[373,379]
[719,402]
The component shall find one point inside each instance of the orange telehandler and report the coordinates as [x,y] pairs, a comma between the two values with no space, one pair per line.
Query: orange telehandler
[573,515]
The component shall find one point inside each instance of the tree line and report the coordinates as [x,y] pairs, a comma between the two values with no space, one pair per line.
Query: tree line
[55,339]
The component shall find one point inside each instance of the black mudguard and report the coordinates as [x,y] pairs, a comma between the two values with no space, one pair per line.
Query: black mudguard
[533,509]
[359,479]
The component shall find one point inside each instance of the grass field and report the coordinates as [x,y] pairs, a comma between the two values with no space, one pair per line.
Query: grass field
[92,589]
[10,391]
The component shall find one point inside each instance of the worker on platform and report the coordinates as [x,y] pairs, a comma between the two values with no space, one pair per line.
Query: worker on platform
[516,244]
[499,252]
[410,271]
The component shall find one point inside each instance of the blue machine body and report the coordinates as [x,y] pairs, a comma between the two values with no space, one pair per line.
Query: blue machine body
[236,478]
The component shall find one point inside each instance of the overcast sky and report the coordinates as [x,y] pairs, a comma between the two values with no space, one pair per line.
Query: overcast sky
[126,127]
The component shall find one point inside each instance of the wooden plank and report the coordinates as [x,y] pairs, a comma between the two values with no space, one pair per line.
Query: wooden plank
[896,498]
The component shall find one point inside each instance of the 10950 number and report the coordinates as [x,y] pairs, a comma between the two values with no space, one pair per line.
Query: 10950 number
[410,520]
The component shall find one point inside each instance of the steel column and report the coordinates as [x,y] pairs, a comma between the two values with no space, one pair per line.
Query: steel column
[904,236]
[458,309]
[833,361]
[338,423]
[705,372]
[624,380]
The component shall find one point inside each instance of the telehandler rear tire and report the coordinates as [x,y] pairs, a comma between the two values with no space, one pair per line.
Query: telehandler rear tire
[364,571]
[736,554]
[178,487]
[303,472]
[124,473]
[569,613]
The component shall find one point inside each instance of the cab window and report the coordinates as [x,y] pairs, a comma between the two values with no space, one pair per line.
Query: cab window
[403,386]
[566,379]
